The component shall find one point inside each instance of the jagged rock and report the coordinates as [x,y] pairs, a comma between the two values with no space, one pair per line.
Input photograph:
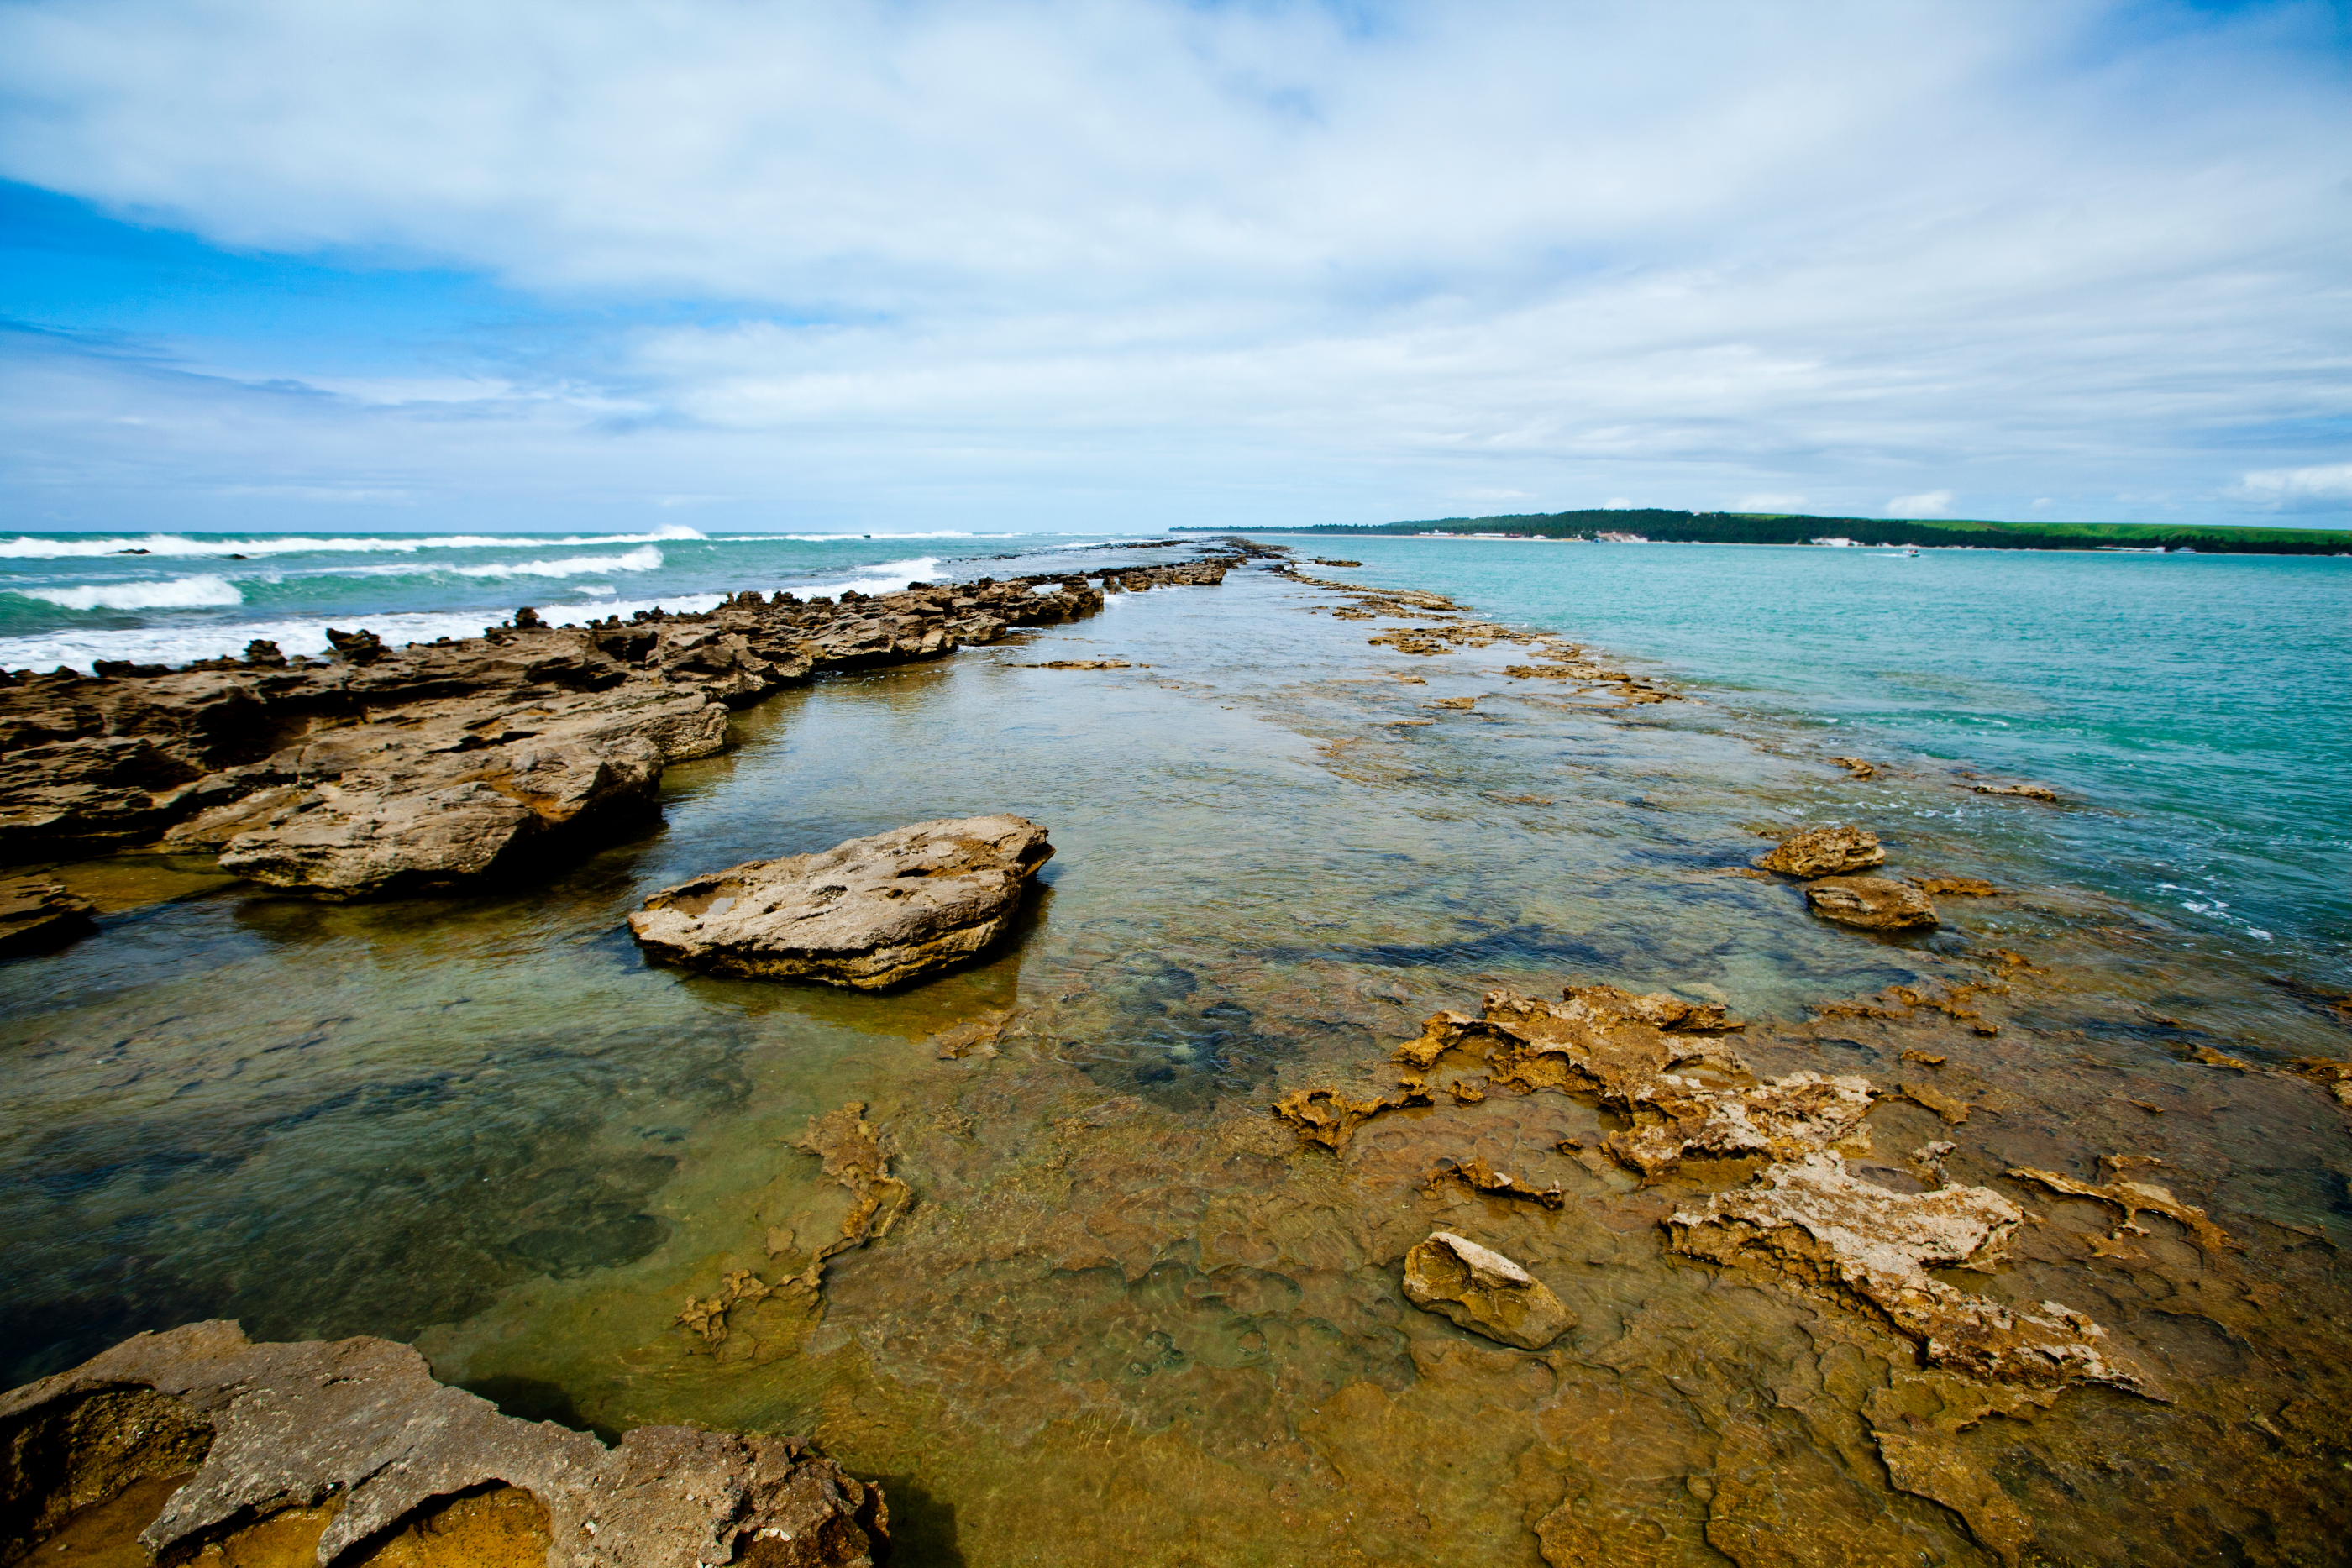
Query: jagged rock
[1484,1292]
[1814,1220]
[1330,1118]
[1871,903]
[1784,1118]
[35,914]
[870,913]
[1961,886]
[359,1427]
[1824,852]
[1856,765]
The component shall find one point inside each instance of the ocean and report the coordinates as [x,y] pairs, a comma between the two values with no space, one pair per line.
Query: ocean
[1131,1318]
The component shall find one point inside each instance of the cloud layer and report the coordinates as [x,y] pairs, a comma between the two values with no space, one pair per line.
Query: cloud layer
[1007,259]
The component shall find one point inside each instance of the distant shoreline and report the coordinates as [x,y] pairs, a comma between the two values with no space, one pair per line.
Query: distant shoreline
[1659,526]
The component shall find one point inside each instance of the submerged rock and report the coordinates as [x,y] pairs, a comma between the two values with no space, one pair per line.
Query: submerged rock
[870,914]
[1824,852]
[37,915]
[356,1437]
[1871,903]
[1484,1292]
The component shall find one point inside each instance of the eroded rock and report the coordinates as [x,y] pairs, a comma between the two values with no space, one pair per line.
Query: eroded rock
[1824,852]
[1813,1220]
[361,1426]
[1871,903]
[1484,1292]
[870,914]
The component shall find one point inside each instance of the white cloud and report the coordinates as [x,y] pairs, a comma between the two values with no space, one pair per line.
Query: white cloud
[1280,259]
[1769,501]
[2323,486]
[1926,504]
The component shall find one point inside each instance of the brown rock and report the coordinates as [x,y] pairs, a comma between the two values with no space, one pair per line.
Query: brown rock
[871,913]
[1856,765]
[1824,852]
[1814,1220]
[357,1432]
[1959,886]
[1484,1292]
[37,914]
[1871,903]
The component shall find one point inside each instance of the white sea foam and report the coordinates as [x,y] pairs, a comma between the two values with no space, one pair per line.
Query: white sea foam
[26,548]
[180,644]
[645,559]
[887,577]
[175,593]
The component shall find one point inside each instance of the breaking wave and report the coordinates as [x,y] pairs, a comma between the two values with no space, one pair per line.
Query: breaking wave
[206,592]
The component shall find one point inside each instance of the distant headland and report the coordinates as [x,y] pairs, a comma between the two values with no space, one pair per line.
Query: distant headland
[1660,524]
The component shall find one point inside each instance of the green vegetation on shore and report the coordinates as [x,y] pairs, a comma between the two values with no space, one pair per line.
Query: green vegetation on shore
[1796,528]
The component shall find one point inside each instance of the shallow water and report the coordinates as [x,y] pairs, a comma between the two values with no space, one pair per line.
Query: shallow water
[1129,1319]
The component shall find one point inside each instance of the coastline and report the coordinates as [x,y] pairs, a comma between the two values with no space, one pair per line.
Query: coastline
[1150,1185]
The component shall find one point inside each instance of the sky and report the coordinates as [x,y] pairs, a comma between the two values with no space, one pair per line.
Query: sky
[1109,264]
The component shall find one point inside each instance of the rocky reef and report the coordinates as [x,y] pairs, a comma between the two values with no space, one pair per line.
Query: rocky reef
[199,1440]
[385,771]
[870,914]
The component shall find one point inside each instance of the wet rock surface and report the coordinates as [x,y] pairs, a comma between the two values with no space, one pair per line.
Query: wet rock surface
[1484,1292]
[391,771]
[359,1428]
[1872,904]
[871,913]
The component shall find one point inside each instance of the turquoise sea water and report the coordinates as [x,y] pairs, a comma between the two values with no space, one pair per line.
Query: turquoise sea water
[2197,704]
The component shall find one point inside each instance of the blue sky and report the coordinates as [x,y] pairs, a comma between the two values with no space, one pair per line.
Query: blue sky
[1112,262]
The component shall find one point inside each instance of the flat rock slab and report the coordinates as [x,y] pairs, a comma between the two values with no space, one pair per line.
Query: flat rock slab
[35,914]
[1484,1292]
[870,914]
[1871,903]
[361,1423]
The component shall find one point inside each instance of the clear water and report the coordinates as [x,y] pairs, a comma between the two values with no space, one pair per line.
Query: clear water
[1130,1320]
[2199,705]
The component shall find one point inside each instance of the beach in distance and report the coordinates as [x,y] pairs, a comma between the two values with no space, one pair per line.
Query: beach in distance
[1514,1054]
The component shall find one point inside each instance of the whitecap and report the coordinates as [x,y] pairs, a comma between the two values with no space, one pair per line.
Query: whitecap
[175,593]
[645,559]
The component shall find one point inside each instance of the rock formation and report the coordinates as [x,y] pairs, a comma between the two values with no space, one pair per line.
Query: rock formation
[36,914]
[1484,1292]
[386,771]
[1813,1220]
[870,914]
[1871,903]
[1824,852]
[354,1435]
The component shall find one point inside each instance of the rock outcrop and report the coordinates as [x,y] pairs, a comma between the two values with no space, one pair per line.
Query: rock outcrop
[37,914]
[870,913]
[1871,903]
[1484,1292]
[356,1439]
[389,770]
[1824,852]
